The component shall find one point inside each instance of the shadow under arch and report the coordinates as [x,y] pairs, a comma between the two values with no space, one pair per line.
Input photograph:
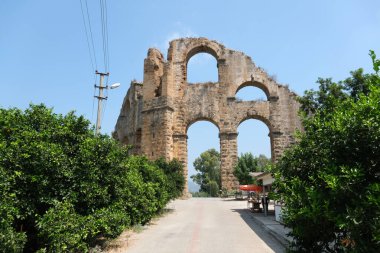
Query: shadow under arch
[256,84]
[268,124]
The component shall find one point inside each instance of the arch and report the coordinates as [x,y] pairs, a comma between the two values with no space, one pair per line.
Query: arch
[197,46]
[197,50]
[191,122]
[201,49]
[270,131]
[260,118]
[196,133]
[259,85]
[202,67]
[251,93]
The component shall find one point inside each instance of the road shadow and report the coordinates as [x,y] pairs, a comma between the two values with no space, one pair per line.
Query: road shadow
[260,231]
[233,199]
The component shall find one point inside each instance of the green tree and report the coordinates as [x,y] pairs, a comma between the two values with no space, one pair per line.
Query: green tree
[174,172]
[208,166]
[330,180]
[263,163]
[62,187]
[248,163]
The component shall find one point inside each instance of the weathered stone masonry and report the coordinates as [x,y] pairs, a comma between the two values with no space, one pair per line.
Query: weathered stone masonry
[156,114]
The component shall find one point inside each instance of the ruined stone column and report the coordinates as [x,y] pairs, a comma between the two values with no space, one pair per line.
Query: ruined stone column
[228,157]
[180,152]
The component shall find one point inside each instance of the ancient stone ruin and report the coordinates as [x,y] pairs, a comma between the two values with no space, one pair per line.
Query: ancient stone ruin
[157,113]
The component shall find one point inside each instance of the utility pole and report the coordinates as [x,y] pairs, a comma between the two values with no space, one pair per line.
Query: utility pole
[100,99]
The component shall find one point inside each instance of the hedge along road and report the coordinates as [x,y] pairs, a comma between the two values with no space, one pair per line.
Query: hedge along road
[201,225]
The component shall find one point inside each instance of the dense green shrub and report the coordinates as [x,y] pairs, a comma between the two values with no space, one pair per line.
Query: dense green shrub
[63,230]
[330,180]
[62,187]
[176,179]
[10,239]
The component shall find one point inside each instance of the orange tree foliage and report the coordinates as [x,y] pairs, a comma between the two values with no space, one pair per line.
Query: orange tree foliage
[330,180]
[62,187]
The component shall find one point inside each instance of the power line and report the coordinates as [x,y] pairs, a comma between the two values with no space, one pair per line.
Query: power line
[106,19]
[103,11]
[87,39]
[92,39]
[108,54]
[91,47]
[93,102]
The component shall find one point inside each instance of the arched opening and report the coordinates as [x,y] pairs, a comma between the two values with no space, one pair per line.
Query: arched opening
[251,93]
[254,137]
[255,152]
[202,136]
[202,68]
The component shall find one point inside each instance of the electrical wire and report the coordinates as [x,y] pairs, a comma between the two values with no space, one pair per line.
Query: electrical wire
[93,103]
[106,25]
[91,50]
[104,21]
[87,39]
[92,38]
[91,47]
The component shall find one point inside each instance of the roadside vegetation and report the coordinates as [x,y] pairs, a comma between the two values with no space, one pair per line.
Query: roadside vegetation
[64,189]
[249,163]
[330,180]
[209,176]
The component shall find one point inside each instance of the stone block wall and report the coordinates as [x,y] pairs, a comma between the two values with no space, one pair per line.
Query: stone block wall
[156,114]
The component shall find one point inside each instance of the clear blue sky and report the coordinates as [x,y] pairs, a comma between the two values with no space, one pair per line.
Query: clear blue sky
[44,56]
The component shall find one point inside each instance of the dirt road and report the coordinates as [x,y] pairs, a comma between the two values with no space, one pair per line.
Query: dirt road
[204,225]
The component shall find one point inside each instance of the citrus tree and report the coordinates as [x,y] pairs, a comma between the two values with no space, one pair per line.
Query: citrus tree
[62,187]
[330,180]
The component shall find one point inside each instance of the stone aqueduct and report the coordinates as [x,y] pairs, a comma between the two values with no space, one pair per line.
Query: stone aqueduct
[157,113]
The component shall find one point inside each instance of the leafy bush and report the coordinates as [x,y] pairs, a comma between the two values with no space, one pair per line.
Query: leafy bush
[176,179]
[63,230]
[330,180]
[10,239]
[62,187]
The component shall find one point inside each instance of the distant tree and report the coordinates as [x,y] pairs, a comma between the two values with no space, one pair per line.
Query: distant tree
[248,163]
[263,163]
[330,180]
[208,167]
